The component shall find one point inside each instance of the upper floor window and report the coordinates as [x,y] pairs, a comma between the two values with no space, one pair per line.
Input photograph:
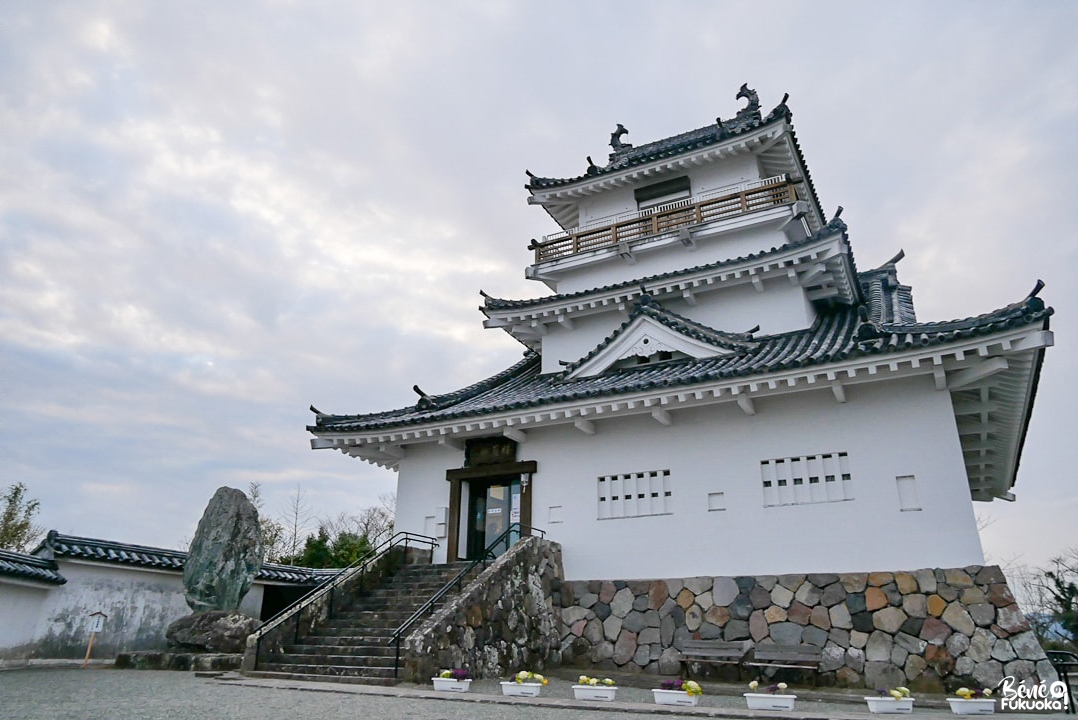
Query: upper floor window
[652,196]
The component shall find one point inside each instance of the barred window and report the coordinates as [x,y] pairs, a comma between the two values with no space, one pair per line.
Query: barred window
[635,494]
[806,479]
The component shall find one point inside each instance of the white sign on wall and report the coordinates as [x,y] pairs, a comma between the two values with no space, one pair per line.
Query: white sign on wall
[97,621]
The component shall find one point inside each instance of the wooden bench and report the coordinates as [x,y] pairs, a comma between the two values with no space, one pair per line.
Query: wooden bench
[800,657]
[713,652]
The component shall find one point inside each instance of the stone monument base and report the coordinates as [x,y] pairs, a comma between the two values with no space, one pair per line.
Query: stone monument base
[186,661]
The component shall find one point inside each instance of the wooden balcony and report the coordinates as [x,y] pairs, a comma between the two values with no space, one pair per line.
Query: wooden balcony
[669,218]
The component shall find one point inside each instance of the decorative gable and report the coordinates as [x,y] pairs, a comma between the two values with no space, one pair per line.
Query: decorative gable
[654,334]
[647,339]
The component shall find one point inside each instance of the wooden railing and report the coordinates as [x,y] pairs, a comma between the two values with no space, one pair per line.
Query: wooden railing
[667,218]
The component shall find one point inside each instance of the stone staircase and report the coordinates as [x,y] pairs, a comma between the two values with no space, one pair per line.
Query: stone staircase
[355,644]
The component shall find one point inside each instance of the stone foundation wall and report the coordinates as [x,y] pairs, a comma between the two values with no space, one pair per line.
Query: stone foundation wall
[929,629]
[504,621]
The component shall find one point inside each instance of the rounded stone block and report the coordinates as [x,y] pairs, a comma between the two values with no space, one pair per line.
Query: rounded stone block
[889,619]
[875,598]
[724,590]
[781,596]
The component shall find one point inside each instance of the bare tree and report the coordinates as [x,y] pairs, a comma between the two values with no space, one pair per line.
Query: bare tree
[296,523]
[272,532]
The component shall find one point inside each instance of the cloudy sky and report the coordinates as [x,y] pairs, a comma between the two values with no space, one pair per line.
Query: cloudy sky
[213,215]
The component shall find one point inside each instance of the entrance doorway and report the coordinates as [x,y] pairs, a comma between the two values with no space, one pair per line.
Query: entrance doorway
[493,507]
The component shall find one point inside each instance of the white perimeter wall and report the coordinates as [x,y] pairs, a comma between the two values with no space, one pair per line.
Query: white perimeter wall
[890,429]
[140,604]
[20,605]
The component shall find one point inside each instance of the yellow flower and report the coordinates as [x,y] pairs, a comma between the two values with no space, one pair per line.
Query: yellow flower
[782,687]
[986,692]
[609,683]
[692,687]
[896,694]
[964,693]
[583,680]
[753,685]
[445,674]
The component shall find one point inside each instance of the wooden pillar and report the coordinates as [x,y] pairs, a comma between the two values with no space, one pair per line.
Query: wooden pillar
[453,531]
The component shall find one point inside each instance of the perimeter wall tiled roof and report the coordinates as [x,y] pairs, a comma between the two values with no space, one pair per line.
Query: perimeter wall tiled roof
[29,567]
[836,335]
[57,545]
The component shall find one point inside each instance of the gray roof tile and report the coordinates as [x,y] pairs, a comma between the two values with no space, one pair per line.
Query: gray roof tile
[29,567]
[70,546]
[835,336]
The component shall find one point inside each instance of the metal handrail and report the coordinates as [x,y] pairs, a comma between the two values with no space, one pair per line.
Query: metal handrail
[405,539]
[488,554]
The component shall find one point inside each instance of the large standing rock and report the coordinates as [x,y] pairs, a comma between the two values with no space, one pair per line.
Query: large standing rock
[225,555]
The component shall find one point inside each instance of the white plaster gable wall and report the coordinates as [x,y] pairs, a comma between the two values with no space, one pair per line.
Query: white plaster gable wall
[710,176]
[422,490]
[891,429]
[20,605]
[671,258]
[780,307]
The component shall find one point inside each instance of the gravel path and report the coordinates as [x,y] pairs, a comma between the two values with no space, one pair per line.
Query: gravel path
[109,694]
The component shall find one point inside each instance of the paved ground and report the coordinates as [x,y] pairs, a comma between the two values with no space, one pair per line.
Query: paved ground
[109,694]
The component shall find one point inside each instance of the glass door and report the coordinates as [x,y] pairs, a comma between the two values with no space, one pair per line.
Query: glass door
[494,507]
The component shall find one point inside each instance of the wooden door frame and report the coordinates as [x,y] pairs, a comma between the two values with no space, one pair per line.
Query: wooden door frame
[456,476]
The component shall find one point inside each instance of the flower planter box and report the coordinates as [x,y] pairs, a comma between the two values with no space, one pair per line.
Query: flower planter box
[450,685]
[527,689]
[594,692]
[767,701]
[889,705]
[973,706]
[675,697]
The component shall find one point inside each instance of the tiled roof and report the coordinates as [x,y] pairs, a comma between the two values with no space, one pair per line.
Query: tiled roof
[29,567]
[835,226]
[671,146]
[56,545]
[836,335]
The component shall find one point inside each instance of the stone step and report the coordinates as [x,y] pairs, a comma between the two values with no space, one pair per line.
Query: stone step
[380,639]
[317,659]
[362,649]
[330,670]
[349,679]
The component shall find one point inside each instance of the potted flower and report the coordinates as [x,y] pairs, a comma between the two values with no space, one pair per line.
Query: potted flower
[972,702]
[455,680]
[589,688]
[774,697]
[525,684]
[678,692]
[896,700]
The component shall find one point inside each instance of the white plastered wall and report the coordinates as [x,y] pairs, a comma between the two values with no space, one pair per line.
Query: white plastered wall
[889,429]
[423,492]
[714,175]
[20,606]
